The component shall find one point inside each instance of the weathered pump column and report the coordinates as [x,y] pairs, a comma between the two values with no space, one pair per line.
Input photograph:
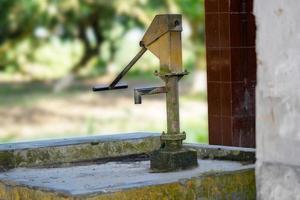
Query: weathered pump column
[163,39]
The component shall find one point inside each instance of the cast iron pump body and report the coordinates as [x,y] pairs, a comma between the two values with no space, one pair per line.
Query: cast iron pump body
[163,39]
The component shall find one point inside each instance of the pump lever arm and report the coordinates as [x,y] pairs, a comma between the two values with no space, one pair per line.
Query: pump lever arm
[114,83]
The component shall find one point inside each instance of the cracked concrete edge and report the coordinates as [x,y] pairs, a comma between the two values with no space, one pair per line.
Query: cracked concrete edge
[77,150]
[75,141]
[64,151]
[223,152]
[215,185]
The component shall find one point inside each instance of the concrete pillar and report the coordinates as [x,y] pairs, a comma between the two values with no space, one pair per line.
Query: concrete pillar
[278,99]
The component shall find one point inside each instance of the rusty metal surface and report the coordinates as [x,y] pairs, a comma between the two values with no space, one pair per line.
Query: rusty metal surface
[139,92]
[160,25]
[114,83]
[128,67]
[163,39]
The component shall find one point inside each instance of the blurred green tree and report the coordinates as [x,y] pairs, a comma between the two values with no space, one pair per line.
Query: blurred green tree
[193,10]
[35,22]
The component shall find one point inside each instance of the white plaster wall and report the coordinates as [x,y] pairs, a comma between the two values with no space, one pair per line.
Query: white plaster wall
[278,98]
[278,85]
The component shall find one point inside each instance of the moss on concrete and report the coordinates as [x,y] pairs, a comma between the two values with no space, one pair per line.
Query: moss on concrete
[24,193]
[212,185]
[223,153]
[237,185]
[6,160]
[234,185]
[77,153]
[95,150]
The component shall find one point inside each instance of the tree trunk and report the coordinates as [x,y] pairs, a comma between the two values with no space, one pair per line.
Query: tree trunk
[88,53]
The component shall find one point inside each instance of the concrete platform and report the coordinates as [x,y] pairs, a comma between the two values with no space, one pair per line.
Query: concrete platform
[78,149]
[223,173]
[108,177]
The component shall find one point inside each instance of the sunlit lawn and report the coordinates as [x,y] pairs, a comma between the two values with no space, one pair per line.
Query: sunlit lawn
[32,111]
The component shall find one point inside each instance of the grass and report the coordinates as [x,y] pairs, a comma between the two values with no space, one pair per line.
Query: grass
[196,130]
[39,113]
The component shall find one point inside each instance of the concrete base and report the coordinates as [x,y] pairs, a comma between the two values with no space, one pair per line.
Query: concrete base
[212,179]
[167,161]
[117,167]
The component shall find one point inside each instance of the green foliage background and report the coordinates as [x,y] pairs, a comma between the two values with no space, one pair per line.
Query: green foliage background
[44,39]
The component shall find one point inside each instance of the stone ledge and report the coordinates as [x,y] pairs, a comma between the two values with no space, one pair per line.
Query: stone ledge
[115,180]
[53,166]
[223,152]
[81,149]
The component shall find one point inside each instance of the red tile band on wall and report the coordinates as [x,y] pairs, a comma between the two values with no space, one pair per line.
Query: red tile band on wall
[231,71]
[211,6]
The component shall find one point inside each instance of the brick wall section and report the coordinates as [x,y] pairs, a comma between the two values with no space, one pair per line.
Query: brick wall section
[231,72]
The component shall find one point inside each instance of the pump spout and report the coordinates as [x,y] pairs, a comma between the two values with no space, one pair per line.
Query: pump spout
[139,92]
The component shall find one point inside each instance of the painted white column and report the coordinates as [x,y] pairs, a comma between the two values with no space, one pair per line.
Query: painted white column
[278,99]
